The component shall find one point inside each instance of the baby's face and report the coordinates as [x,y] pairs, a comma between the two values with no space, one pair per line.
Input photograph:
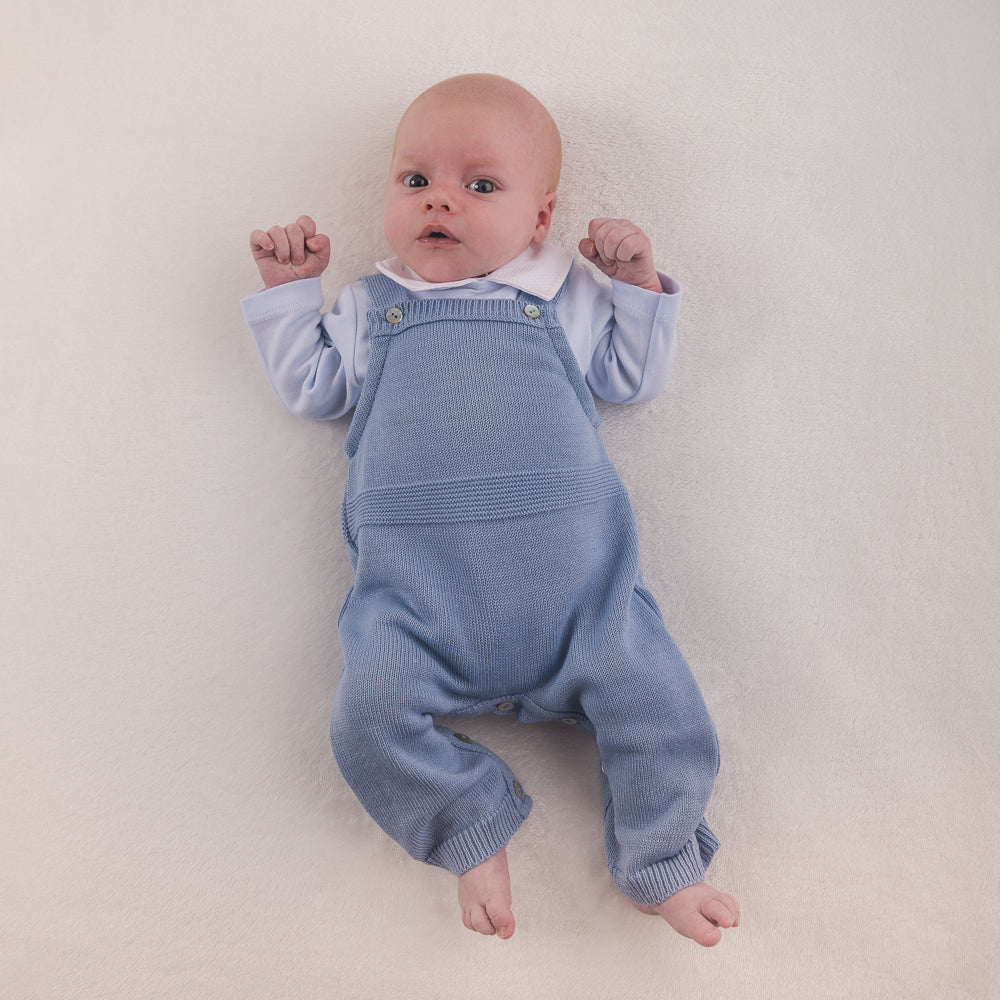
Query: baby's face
[466,191]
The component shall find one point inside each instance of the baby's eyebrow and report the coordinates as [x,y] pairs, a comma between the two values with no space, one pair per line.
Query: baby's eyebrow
[421,165]
[484,167]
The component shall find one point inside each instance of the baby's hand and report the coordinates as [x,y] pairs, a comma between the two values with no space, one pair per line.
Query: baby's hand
[622,251]
[290,252]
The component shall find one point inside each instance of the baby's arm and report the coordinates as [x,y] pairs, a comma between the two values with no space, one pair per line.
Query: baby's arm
[288,253]
[312,359]
[621,250]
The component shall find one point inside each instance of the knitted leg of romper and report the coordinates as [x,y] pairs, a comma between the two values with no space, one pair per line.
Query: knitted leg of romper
[658,746]
[660,757]
[448,802]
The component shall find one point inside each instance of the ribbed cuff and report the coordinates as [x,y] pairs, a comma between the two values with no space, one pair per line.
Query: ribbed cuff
[479,843]
[293,296]
[654,884]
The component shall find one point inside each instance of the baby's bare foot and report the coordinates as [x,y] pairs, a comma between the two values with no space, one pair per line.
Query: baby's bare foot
[484,895]
[698,912]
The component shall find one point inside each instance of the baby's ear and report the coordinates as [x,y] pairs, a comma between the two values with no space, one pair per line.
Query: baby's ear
[544,220]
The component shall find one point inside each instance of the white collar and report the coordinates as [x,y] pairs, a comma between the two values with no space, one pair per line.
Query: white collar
[539,271]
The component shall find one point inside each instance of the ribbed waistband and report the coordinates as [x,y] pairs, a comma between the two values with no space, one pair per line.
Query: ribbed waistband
[485,498]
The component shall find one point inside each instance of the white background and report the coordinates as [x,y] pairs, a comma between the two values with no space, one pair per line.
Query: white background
[817,492]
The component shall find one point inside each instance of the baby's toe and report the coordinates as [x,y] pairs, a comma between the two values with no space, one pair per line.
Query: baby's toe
[697,925]
[477,919]
[503,924]
[722,910]
[707,935]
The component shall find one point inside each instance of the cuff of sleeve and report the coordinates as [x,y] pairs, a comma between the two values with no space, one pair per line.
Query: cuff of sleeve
[306,294]
[644,303]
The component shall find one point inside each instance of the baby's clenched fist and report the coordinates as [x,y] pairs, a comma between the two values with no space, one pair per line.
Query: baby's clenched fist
[288,253]
[621,250]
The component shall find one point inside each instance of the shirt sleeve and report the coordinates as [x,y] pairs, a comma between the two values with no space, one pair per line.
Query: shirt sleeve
[633,335]
[314,361]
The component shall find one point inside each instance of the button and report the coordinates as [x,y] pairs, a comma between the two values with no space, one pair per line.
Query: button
[518,790]
[462,737]
[394,315]
[532,311]
[568,720]
[505,706]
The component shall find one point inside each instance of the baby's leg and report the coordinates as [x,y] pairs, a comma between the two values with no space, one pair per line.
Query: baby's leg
[446,800]
[698,912]
[443,797]
[484,896]
[417,634]
[660,757]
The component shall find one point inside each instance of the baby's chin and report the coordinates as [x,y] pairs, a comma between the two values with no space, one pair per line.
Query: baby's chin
[440,273]
[443,265]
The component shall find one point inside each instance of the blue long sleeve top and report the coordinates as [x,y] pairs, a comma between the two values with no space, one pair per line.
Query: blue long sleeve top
[623,337]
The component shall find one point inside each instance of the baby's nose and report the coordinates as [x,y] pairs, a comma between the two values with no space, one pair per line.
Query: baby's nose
[438,199]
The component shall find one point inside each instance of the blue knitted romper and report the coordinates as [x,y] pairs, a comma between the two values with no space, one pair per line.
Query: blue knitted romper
[496,569]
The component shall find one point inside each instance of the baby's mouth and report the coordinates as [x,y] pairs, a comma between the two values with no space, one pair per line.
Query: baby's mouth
[434,235]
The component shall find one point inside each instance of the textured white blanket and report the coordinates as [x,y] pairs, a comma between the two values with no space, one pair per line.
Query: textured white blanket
[818,492]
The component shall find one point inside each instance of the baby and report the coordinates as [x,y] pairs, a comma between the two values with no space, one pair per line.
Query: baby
[493,545]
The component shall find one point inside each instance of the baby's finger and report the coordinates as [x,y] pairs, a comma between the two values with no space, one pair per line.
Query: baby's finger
[307,226]
[260,244]
[296,243]
[596,225]
[319,245]
[279,239]
[630,247]
[588,249]
[611,236]
[607,234]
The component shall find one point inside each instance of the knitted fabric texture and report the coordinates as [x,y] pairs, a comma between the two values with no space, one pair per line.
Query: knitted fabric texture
[497,569]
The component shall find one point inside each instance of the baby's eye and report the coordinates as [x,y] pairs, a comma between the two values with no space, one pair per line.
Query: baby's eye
[483,186]
[415,181]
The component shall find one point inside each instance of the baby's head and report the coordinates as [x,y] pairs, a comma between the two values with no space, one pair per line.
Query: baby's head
[473,179]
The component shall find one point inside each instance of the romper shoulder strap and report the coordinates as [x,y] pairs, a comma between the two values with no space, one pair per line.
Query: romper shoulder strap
[548,312]
[383,293]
